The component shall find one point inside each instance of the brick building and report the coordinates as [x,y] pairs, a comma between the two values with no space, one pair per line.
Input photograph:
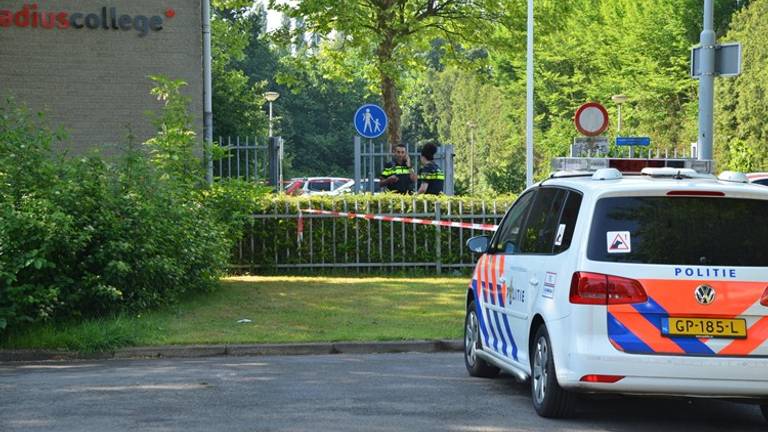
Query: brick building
[86,63]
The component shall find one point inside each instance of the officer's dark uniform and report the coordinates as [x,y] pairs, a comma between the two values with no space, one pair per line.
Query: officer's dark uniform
[404,184]
[433,176]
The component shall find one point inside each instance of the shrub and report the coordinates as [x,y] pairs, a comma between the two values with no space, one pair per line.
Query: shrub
[89,237]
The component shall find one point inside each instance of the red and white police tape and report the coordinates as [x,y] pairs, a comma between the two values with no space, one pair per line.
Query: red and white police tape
[368,216]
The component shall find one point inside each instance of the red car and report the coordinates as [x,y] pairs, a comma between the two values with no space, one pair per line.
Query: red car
[760,178]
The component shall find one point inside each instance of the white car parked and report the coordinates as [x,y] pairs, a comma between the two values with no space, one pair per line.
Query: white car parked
[651,284]
[319,186]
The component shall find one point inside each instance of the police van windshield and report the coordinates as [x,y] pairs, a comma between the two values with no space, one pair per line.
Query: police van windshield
[680,230]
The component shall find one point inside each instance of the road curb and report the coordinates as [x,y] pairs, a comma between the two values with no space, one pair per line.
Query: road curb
[172,351]
[190,351]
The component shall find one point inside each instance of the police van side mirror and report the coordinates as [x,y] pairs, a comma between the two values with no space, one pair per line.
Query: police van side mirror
[479,244]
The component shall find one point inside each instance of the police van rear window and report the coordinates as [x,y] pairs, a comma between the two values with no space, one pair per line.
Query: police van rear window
[680,230]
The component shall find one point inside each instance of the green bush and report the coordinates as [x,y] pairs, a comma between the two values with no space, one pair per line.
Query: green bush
[87,237]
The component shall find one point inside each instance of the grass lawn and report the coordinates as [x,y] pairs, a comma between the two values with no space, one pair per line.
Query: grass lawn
[282,309]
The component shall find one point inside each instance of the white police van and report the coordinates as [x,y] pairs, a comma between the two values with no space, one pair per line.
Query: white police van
[653,281]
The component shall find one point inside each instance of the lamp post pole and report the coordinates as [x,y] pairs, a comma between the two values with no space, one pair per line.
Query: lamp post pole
[529,99]
[270,119]
[275,149]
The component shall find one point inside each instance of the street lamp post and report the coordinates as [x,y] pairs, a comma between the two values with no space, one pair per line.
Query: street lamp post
[271,96]
[275,149]
[619,99]
[471,125]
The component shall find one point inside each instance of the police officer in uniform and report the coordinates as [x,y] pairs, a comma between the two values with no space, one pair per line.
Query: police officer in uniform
[397,175]
[431,177]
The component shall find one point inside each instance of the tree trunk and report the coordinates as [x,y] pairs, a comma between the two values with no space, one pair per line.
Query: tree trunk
[392,108]
[385,18]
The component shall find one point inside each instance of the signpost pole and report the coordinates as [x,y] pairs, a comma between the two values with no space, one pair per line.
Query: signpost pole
[706,82]
[371,165]
[358,145]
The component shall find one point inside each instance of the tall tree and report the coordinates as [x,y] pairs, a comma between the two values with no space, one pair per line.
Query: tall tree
[391,32]
[237,100]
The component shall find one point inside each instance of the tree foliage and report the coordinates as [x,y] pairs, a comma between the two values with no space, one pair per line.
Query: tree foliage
[391,35]
[585,50]
[454,64]
[237,98]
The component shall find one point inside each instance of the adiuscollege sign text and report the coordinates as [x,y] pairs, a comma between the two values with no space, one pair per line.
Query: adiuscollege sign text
[108,18]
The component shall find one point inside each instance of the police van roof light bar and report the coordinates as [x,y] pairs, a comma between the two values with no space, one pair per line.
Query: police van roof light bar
[629,166]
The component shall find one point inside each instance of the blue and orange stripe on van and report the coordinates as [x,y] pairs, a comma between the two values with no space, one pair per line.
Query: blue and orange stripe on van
[636,328]
[495,327]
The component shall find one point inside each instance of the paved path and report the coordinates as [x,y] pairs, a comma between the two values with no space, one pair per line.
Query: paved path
[377,392]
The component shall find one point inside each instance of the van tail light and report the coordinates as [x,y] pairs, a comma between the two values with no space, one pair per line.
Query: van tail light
[600,289]
[764,298]
[609,379]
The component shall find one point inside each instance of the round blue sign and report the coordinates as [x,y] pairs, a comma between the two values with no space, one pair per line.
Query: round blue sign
[370,121]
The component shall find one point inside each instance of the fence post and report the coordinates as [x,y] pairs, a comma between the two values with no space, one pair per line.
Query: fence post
[448,150]
[281,156]
[358,144]
[275,161]
[438,241]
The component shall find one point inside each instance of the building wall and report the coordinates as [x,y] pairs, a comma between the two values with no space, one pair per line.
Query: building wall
[94,82]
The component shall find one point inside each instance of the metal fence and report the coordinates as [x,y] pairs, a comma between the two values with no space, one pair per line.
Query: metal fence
[275,240]
[251,158]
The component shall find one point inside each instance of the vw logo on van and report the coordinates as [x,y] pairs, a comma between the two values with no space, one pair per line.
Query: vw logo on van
[705,294]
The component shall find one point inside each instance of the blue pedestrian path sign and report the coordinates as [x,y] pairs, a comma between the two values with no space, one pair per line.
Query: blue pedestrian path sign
[370,121]
[633,141]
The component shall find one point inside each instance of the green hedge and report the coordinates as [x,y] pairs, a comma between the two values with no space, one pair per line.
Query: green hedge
[270,240]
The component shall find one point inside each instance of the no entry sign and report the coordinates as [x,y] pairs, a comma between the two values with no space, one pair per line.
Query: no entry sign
[591,119]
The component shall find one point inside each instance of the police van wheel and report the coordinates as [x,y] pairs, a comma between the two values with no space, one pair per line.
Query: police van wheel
[764,409]
[476,366]
[549,399]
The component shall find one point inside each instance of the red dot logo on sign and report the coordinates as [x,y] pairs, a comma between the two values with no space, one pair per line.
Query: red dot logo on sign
[170,13]
[591,119]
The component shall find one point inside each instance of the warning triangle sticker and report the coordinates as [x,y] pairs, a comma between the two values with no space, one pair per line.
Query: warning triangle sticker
[619,242]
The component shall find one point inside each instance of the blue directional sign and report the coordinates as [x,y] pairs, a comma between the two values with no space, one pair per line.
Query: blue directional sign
[370,121]
[633,141]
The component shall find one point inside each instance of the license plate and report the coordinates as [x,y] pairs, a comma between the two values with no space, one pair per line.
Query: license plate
[704,327]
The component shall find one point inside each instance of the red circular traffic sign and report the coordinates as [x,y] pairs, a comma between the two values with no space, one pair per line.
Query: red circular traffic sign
[591,119]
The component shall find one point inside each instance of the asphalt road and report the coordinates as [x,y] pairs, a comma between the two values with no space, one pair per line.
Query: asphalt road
[378,392]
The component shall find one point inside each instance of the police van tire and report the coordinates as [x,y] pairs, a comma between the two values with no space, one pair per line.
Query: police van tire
[549,399]
[764,409]
[476,366]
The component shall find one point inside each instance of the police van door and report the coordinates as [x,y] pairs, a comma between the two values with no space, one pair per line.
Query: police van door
[501,259]
[525,270]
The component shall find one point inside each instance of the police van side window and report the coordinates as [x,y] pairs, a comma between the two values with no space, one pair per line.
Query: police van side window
[507,238]
[542,224]
[567,223]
